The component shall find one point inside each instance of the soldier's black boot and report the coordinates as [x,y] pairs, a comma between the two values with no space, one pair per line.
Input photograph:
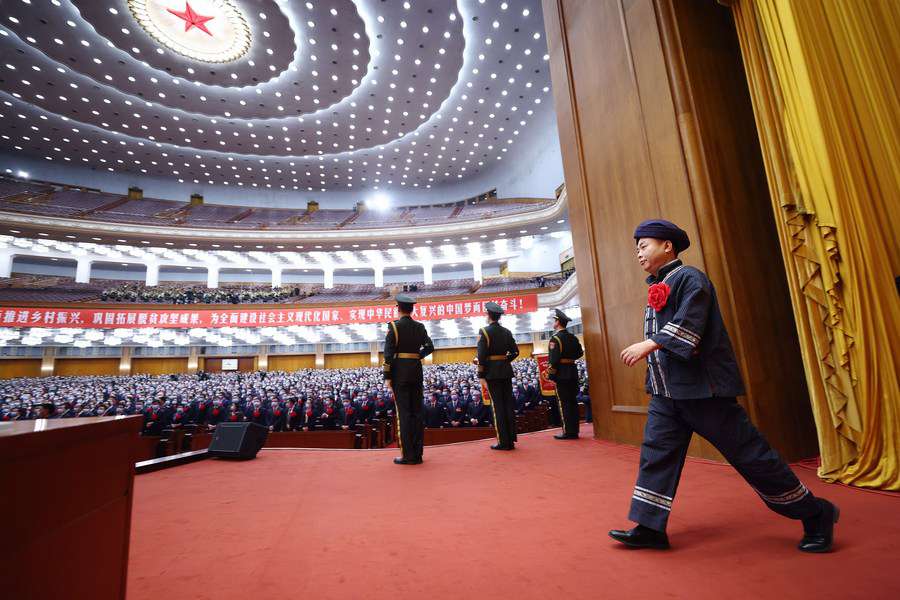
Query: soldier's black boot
[641,537]
[818,531]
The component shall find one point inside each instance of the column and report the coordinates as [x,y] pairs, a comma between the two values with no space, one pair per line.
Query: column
[374,348]
[427,270]
[6,261]
[262,358]
[476,270]
[193,359]
[538,346]
[329,278]
[212,276]
[48,361]
[379,277]
[83,271]
[125,361]
[152,274]
[276,277]
[320,356]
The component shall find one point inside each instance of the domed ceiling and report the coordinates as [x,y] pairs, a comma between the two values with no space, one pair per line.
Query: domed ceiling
[316,96]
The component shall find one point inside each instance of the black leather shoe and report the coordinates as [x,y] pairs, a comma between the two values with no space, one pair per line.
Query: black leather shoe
[402,461]
[818,532]
[499,447]
[641,537]
[562,436]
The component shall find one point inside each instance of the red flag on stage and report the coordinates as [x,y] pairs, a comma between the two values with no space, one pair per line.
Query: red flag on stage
[548,388]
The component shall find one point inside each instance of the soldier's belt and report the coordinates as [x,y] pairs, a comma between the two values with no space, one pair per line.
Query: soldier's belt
[497,357]
[567,361]
[411,355]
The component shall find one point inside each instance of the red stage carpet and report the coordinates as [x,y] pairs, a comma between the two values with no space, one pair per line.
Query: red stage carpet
[473,523]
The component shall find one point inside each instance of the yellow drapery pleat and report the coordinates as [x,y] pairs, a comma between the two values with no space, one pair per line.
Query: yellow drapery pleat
[823,79]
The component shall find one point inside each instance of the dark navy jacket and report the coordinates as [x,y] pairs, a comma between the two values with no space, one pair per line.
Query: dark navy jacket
[696,359]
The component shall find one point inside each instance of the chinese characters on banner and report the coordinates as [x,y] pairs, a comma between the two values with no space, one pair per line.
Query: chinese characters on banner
[485,393]
[548,388]
[114,318]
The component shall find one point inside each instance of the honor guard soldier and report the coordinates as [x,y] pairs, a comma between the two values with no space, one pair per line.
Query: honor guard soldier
[405,345]
[692,379]
[564,349]
[496,350]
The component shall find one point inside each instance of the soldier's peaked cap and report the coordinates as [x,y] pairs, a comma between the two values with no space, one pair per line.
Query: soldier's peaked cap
[404,299]
[493,307]
[561,316]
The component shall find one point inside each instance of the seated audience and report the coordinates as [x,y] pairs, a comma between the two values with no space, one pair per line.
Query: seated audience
[197,294]
[308,400]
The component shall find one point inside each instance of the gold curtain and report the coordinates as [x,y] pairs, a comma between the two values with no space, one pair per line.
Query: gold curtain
[823,77]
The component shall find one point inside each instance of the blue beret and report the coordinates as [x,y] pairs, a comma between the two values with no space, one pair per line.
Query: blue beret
[663,230]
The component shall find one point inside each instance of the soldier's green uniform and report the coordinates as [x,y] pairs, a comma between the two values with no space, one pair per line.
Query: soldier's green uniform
[496,350]
[405,345]
[565,349]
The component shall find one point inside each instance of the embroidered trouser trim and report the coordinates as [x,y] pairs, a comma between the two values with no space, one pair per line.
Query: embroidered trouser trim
[722,421]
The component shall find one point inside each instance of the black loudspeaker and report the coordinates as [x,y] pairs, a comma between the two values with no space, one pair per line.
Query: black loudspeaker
[238,440]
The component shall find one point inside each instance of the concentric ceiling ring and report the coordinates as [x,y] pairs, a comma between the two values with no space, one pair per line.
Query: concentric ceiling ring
[354,94]
[212,31]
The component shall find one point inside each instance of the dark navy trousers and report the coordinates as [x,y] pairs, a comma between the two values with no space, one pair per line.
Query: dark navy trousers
[722,421]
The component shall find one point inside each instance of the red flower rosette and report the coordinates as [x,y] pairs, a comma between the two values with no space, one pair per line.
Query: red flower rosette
[658,295]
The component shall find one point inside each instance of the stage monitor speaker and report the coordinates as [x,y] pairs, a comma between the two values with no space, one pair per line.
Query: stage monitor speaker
[238,440]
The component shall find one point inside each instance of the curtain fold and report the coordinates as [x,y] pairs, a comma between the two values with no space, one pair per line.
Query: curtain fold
[823,80]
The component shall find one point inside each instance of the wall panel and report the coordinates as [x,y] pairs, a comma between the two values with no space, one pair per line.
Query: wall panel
[86,366]
[350,360]
[159,365]
[20,367]
[291,362]
[453,355]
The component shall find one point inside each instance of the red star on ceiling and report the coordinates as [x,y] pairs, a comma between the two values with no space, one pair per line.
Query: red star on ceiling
[192,19]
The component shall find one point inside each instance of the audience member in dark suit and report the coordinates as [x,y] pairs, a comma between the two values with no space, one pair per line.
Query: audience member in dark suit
[349,414]
[477,414]
[156,418]
[235,414]
[456,412]
[435,414]
[276,417]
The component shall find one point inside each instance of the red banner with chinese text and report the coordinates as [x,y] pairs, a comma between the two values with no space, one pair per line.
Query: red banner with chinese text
[548,388]
[485,393]
[114,318]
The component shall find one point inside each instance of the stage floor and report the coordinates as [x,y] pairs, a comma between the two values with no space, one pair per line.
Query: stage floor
[474,523]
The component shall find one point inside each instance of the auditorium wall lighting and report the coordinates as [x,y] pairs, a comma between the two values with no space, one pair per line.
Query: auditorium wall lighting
[379,201]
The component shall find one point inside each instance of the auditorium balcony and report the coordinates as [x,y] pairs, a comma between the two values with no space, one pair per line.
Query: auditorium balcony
[57,200]
[24,288]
